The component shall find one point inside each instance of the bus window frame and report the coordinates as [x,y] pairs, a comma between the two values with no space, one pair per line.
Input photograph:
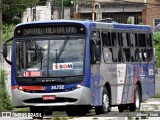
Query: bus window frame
[130,46]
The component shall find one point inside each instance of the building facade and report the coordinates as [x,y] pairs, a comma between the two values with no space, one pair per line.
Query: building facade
[124,11]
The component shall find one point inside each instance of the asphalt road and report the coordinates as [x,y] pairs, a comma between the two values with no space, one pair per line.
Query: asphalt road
[151,105]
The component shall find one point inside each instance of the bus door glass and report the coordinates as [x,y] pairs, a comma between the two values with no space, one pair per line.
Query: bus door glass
[95,51]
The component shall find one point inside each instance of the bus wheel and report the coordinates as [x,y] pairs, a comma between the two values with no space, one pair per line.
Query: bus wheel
[70,110]
[105,103]
[137,100]
[120,108]
[48,111]
[37,112]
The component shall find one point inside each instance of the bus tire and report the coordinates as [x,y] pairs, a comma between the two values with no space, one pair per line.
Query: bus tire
[137,100]
[70,110]
[36,110]
[48,112]
[120,108]
[105,108]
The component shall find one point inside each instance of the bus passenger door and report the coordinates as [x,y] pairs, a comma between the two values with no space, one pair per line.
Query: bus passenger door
[95,53]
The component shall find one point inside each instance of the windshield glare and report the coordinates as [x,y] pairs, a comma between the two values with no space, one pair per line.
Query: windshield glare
[61,56]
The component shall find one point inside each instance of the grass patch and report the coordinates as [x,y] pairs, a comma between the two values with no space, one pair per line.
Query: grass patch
[56,118]
[60,118]
[21,109]
[95,118]
[157,95]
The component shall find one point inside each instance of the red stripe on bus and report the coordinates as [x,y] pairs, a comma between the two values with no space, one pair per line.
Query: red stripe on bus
[32,87]
[134,84]
[14,87]
[28,87]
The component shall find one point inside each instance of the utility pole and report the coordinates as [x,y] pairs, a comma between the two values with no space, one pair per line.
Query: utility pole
[1,34]
[52,5]
[93,1]
[62,11]
[1,23]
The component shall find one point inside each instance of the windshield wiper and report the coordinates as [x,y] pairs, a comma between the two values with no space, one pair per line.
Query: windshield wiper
[62,48]
[39,54]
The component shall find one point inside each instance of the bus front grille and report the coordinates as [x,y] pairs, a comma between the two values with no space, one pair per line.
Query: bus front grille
[57,100]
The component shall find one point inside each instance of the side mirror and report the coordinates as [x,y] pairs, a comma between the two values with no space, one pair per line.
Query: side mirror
[5,50]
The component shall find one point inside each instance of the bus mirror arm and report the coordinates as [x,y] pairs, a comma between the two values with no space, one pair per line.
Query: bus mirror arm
[5,51]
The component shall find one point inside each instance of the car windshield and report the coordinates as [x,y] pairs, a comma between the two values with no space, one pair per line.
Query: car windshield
[49,57]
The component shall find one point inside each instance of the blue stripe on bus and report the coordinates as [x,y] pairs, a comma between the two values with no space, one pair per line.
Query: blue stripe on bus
[87,60]
[13,81]
[132,27]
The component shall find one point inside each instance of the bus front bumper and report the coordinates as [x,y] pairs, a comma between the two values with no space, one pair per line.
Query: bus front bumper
[80,96]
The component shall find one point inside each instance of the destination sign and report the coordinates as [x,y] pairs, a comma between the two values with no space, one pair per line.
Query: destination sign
[49,30]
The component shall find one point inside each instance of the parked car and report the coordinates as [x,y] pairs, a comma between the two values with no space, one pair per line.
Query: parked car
[157,29]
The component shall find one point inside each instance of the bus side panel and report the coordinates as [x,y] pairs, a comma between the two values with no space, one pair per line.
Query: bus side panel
[114,74]
[147,78]
[128,84]
[96,88]
[151,73]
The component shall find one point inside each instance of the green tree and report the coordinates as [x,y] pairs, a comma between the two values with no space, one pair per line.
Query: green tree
[7,31]
[13,9]
[66,3]
[156,38]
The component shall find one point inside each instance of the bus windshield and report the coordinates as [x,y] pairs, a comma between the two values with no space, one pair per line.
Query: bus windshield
[49,57]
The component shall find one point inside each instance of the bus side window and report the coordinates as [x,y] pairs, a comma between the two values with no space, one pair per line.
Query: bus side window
[115,40]
[141,40]
[149,40]
[107,55]
[134,54]
[132,39]
[149,55]
[117,55]
[126,55]
[106,39]
[143,55]
[125,42]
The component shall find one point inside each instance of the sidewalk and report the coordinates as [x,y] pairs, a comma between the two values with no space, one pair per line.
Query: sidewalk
[100,118]
[152,104]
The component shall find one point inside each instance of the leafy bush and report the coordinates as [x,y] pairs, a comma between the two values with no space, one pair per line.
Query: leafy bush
[156,38]
[7,31]
[5,102]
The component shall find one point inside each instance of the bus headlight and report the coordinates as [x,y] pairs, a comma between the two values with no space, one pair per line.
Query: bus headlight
[79,86]
[20,88]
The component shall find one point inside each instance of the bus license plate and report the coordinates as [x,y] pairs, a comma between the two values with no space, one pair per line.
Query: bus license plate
[48,97]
